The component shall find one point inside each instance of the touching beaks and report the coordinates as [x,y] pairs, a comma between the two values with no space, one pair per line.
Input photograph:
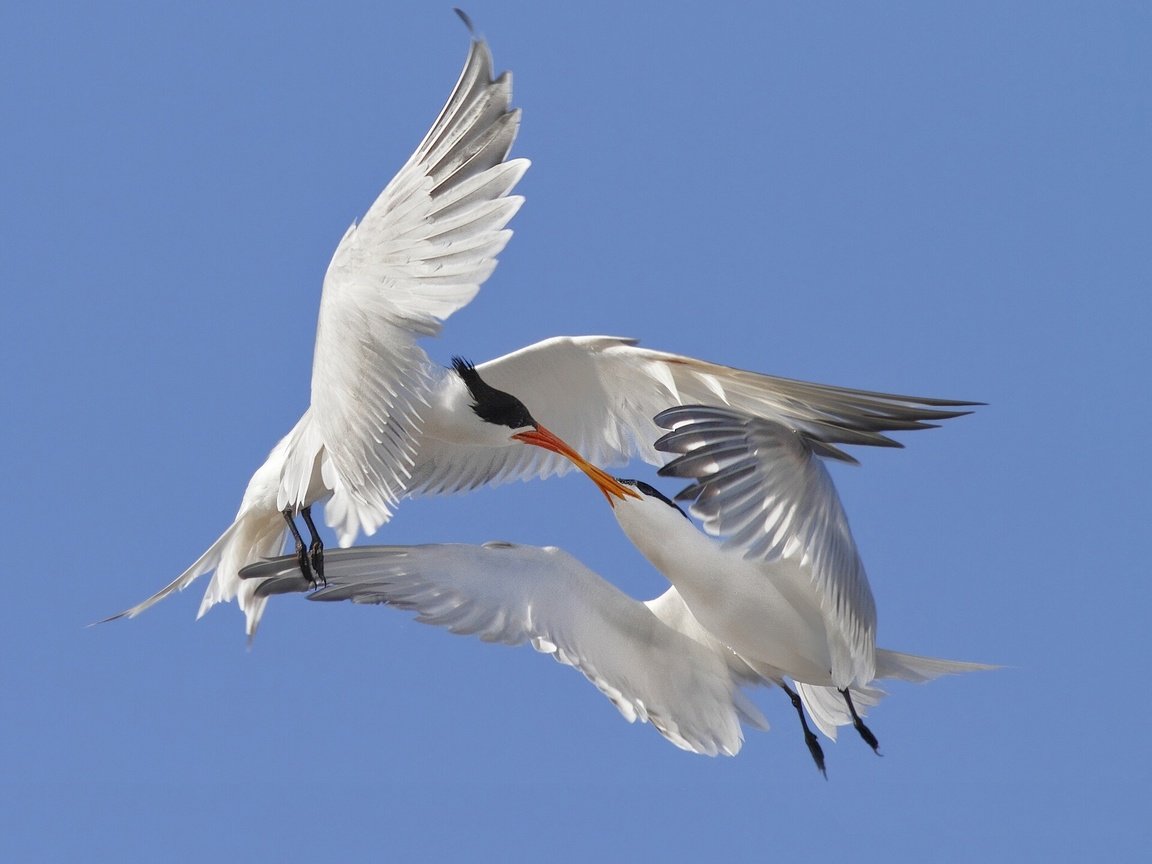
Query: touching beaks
[609,485]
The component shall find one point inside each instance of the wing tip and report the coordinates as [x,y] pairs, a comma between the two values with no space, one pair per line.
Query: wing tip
[467,19]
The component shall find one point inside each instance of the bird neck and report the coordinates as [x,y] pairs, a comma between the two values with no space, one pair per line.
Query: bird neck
[668,540]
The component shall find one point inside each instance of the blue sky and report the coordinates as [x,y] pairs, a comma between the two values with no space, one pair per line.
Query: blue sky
[946,199]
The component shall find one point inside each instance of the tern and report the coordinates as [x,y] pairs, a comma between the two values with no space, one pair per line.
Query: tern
[386,423]
[652,659]
[784,586]
[782,597]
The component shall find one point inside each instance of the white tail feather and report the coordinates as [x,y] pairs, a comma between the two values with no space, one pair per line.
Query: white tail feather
[256,534]
[911,667]
[827,708]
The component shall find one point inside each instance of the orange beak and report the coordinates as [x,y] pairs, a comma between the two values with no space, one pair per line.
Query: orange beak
[609,485]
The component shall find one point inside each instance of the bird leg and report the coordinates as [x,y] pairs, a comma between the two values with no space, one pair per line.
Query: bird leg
[301,553]
[859,726]
[316,548]
[809,736]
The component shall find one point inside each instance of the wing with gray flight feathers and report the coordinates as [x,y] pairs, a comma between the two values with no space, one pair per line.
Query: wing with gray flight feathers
[501,592]
[760,486]
[600,393]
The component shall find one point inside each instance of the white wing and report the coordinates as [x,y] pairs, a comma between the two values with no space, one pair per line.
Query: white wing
[600,393]
[761,486]
[515,594]
[420,253]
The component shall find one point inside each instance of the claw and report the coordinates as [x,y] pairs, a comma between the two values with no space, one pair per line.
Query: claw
[315,549]
[859,726]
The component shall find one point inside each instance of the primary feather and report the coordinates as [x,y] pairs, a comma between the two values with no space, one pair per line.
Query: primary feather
[642,661]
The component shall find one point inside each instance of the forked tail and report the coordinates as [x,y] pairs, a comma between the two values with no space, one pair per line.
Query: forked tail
[912,667]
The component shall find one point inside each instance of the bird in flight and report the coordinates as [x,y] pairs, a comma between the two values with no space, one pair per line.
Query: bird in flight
[386,423]
[778,594]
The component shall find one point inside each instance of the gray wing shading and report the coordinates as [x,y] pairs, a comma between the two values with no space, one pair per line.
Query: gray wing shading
[761,487]
[500,592]
[600,393]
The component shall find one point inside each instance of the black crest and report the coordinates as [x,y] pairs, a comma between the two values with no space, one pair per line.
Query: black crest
[492,405]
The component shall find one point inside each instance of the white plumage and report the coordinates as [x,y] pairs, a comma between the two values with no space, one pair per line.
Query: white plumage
[386,423]
[637,654]
[781,596]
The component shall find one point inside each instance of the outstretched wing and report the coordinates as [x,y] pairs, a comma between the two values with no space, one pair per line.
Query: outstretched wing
[600,393]
[761,486]
[515,594]
[420,253]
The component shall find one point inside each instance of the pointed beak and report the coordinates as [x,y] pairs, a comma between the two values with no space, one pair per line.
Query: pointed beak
[609,485]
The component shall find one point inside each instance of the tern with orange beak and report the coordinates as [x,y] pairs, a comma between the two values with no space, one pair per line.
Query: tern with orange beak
[782,599]
[386,423]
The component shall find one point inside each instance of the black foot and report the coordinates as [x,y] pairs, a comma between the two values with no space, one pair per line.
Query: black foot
[316,559]
[814,748]
[867,735]
[315,549]
[859,726]
[302,562]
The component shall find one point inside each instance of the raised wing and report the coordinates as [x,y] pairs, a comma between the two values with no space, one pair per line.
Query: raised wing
[421,252]
[515,594]
[760,486]
[600,393]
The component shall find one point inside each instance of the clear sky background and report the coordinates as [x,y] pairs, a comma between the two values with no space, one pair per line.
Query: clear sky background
[946,199]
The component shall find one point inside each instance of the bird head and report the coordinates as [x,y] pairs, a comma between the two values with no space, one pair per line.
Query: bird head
[503,409]
[651,492]
[492,405]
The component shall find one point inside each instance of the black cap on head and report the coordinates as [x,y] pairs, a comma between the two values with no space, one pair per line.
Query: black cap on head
[492,405]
